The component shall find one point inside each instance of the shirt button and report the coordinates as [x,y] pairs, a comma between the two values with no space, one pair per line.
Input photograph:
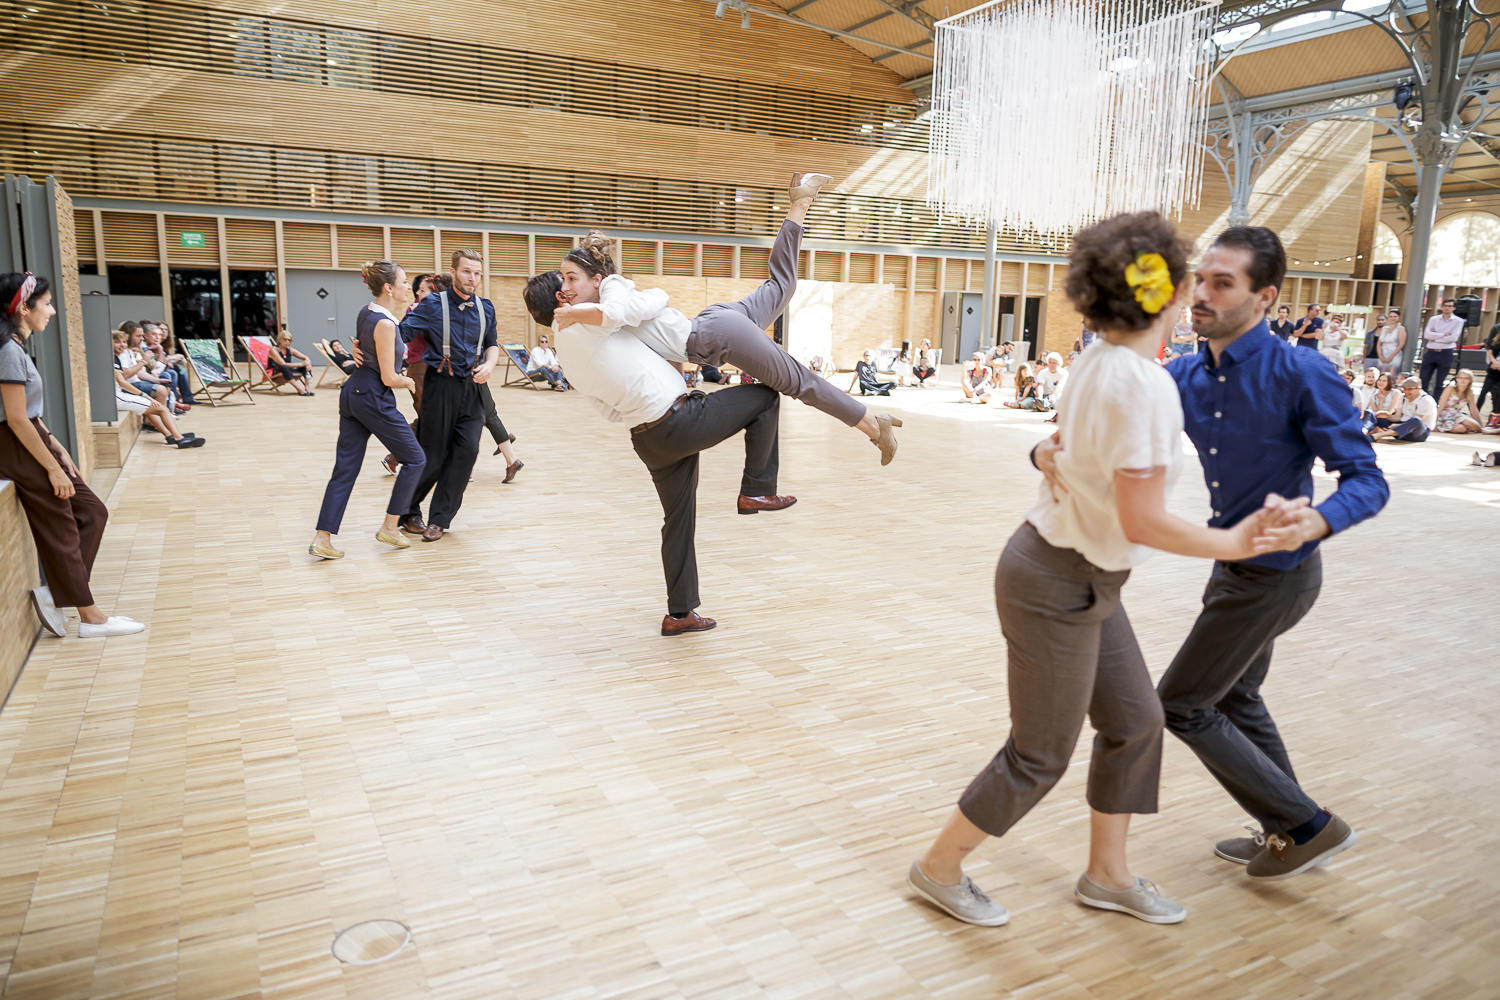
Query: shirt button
[1213,451]
[1221,378]
[1216,513]
[1217,414]
[1214,484]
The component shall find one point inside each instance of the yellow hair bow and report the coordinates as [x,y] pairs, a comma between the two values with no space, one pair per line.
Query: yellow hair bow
[1151,280]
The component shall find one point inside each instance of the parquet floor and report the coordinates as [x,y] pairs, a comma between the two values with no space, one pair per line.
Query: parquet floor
[487,740]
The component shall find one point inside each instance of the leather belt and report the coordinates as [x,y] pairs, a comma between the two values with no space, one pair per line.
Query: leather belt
[676,405]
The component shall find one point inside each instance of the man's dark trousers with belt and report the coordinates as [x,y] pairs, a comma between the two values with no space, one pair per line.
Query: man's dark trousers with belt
[670,450]
[452,418]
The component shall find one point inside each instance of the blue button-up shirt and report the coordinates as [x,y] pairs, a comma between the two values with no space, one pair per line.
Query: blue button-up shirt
[1259,417]
[465,329]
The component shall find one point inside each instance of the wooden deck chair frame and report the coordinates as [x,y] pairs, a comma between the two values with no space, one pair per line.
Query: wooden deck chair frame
[521,376]
[253,367]
[218,391]
[331,366]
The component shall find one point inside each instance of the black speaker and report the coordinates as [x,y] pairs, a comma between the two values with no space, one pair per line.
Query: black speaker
[1385,272]
[1470,307]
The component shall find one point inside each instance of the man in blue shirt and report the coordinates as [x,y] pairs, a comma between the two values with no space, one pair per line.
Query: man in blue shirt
[462,348]
[1258,412]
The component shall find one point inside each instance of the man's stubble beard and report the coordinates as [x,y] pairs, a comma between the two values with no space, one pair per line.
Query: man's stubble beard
[1226,325]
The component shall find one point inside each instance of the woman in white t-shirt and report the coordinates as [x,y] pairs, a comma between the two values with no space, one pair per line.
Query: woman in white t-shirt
[1071,651]
[1333,340]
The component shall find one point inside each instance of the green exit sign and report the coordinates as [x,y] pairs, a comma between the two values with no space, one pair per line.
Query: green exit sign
[192,239]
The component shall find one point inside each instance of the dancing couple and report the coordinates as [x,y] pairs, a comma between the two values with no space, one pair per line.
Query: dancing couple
[1257,412]
[624,350]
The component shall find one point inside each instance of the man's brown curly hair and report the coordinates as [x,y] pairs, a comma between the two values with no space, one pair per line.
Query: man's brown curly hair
[1096,282]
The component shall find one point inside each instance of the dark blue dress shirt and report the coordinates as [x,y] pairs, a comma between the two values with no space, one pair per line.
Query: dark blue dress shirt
[1259,417]
[465,329]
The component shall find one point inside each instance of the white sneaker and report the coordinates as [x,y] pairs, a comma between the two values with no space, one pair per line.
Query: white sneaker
[112,626]
[53,620]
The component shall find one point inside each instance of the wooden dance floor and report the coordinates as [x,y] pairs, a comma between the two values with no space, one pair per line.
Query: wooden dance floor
[487,740]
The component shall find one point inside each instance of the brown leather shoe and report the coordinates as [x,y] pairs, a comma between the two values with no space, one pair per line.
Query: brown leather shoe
[512,469]
[692,622]
[752,505]
[413,525]
[432,533]
[510,440]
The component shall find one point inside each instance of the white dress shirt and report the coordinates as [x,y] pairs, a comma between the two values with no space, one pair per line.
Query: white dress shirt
[644,315]
[543,357]
[626,381]
[1442,334]
[1423,406]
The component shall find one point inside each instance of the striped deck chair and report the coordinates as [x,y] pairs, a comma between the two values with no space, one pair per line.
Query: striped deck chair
[209,361]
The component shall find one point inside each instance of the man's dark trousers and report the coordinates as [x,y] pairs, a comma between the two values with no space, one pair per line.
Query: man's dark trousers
[670,451]
[1435,368]
[1211,692]
[452,417]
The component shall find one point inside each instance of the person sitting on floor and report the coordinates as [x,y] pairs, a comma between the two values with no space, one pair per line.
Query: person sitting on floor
[925,366]
[1049,381]
[976,380]
[547,367]
[290,366]
[1415,421]
[1384,401]
[1025,388]
[335,351]
[869,379]
[1457,413]
[132,399]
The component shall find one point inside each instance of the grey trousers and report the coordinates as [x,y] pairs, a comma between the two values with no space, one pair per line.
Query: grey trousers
[1071,653]
[734,333]
[670,450]
[1211,692]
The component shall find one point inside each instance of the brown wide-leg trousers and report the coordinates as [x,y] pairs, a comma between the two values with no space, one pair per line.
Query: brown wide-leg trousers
[1072,654]
[67,532]
[735,333]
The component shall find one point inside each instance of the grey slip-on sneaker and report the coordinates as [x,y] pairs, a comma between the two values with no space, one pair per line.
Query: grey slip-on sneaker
[964,901]
[1141,900]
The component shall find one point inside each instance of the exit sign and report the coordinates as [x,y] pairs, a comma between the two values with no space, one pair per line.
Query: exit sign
[192,239]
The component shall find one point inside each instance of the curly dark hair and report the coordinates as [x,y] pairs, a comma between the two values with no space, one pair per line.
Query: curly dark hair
[593,254]
[541,296]
[1096,282]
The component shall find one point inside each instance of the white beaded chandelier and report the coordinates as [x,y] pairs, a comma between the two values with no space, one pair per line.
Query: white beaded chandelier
[1048,115]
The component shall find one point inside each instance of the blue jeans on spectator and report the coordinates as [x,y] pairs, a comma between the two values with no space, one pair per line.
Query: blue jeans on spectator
[1435,368]
[1407,430]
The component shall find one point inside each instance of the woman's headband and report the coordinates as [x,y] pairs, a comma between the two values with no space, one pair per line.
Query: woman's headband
[23,293]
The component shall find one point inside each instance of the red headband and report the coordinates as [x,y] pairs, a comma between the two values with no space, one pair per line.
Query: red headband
[22,294]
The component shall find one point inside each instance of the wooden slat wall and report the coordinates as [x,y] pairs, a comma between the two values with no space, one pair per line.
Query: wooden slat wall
[249,242]
[414,250]
[307,244]
[130,236]
[83,228]
[358,244]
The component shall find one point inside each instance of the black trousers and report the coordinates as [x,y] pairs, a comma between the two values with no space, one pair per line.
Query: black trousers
[1490,389]
[1211,692]
[452,416]
[670,451]
[492,421]
[1434,371]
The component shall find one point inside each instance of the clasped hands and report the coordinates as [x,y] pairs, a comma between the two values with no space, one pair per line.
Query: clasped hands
[1280,525]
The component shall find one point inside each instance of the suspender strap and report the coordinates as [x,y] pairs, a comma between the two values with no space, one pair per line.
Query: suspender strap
[478,303]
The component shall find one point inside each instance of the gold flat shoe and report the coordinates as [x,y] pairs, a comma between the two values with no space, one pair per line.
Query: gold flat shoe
[391,538]
[324,553]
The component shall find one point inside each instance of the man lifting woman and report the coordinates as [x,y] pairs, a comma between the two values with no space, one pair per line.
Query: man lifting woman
[624,350]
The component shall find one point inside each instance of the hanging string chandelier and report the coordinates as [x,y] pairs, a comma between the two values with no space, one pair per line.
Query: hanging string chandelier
[1048,115]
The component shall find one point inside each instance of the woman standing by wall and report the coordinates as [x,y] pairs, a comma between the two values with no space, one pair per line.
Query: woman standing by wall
[66,518]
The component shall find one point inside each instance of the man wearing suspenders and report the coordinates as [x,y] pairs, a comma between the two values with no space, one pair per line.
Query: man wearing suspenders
[462,348]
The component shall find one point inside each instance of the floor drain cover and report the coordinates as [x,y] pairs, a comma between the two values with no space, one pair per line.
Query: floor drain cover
[370,942]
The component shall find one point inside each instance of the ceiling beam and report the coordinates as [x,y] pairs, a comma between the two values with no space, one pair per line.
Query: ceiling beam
[777,15]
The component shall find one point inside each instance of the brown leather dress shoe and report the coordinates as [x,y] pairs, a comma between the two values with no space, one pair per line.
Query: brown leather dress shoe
[691,622]
[753,505]
[413,525]
[512,469]
[432,533]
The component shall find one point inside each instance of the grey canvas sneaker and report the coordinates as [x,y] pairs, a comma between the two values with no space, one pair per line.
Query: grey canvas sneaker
[1242,850]
[1141,900]
[1283,859]
[964,901]
[52,619]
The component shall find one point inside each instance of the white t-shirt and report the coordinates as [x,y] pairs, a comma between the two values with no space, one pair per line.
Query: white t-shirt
[1051,383]
[625,380]
[1122,412]
[1423,406]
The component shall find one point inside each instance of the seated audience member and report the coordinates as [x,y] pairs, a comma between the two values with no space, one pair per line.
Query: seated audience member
[1457,413]
[869,379]
[976,380]
[547,367]
[1049,381]
[141,369]
[1309,329]
[169,366]
[289,365]
[925,366]
[823,366]
[128,397]
[1415,420]
[1001,356]
[901,367]
[1183,339]
[1072,357]
[1025,388]
[1333,340]
[335,350]
[1384,401]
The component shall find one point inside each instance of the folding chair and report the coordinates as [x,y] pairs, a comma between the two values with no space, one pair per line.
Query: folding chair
[517,357]
[332,366]
[258,354]
[209,360]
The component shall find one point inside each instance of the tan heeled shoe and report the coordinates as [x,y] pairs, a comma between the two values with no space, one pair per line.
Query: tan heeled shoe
[807,185]
[886,442]
[391,538]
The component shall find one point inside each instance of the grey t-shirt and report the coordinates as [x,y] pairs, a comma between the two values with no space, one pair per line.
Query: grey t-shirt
[16,368]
